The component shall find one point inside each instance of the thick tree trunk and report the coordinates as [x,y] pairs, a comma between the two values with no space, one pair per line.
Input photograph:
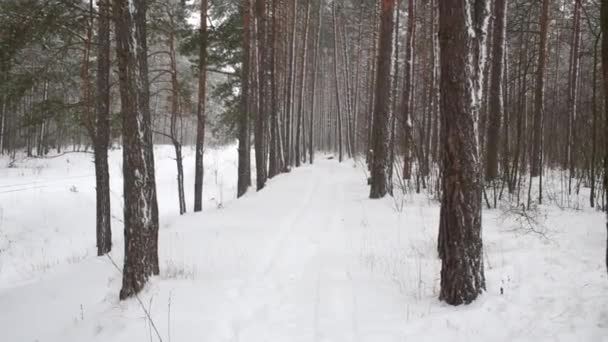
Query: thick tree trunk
[462,276]
[201,116]
[380,182]
[244,149]
[139,192]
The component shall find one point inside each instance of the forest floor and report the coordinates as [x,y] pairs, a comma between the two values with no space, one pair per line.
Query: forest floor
[309,258]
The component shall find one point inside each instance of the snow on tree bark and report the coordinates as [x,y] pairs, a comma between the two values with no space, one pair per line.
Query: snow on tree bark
[139,192]
[461,37]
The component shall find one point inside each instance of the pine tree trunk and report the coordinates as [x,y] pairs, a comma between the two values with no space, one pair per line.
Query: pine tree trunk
[314,85]
[539,97]
[573,93]
[102,131]
[604,23]
[299,124]
[406,102]
[337,84]
[380,182]
[462,276]
[201,116]
[244,149]
[495,103]
[263,70]
[139,193]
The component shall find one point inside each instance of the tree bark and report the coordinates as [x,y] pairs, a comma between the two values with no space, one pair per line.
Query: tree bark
[496,106]
[139,193]
[461,37]
[539,98]
[406,102]
[604,24]
[337,83]
[299,124]
[244,149]
[102,131]
[201,116]
[380,182]
[260,123]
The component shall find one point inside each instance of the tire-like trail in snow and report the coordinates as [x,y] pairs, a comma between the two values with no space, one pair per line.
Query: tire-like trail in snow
[302,291]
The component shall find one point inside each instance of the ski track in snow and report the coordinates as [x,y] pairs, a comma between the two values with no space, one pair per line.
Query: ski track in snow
[309,258]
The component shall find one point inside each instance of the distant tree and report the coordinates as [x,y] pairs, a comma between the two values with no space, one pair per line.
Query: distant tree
[604,23]
[200,111]
[380,184]
[408,91]
[495,103]
[244,134]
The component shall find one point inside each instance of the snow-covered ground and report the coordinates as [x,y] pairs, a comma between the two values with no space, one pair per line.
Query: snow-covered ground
[309,258]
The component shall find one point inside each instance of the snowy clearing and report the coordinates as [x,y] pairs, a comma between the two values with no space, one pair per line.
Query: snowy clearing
[309,258]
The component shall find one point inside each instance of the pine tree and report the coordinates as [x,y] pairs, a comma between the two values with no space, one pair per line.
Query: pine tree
[380,185]
[462,28]
[139,193]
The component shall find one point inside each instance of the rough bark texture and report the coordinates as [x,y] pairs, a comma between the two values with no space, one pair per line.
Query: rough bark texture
[539,97]
[260,121]
[604,24]
[407,103]
[139,195]
[299,125]
[102,131]
[244,163]
[462,276]
[573,92]
[495,103]
[380,185]
[200,111]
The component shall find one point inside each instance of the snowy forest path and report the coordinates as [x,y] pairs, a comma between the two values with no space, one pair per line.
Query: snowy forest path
[304,283]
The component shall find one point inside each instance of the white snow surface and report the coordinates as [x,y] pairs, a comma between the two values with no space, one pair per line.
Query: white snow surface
[309,258]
